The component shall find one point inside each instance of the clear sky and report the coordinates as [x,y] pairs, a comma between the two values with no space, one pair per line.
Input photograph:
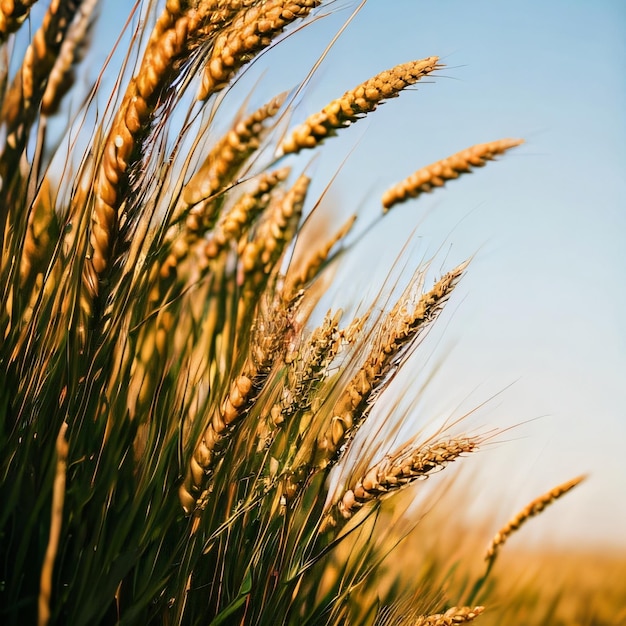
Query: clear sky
[543,306]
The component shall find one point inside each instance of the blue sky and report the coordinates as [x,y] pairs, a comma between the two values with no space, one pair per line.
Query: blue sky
[540,316]
[542,308]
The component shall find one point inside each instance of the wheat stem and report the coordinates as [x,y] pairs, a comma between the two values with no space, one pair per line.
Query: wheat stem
[56,520]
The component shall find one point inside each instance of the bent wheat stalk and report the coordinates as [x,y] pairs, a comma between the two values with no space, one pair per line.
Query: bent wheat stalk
[438,173]
[396,471]
[533,508]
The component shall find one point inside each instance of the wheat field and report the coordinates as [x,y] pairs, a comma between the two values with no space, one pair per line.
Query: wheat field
[190,414]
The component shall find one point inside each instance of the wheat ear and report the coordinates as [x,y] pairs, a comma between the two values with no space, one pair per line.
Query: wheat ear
[259,256]
[12,15]
[23,97]
[56,519]
[311,267]
[173,39]
[250,32]
[237,219]
[60,78]
[453,616]
[222,163]
[402,325]
[42,229]
[266,347]
[438,173]
[306,367]
[356,103]
[396,471]
[533,508]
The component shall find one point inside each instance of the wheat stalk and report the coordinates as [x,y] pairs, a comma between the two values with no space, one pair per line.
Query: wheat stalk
[436,174]
[394,472]
[356,103]
[533,508]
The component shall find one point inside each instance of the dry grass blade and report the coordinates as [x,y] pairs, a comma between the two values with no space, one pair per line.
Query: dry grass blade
[533,508]
[356,103]
[436,174]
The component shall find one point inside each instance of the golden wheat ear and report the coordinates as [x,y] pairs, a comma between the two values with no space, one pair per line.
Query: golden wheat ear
[533,508]
[12,15]
[438,173]
[356,103]
[396,471]
[250,32]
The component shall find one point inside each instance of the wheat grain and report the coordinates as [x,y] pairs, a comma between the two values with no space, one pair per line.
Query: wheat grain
[356,103]
[533,508]
[436,174]
[252,30]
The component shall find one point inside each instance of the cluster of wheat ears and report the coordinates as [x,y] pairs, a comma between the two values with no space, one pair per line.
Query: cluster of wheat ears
[170,412]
